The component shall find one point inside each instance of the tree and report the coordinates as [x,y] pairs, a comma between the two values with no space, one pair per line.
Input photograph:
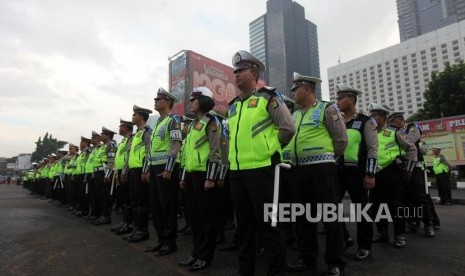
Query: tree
[46,146]
[445,94]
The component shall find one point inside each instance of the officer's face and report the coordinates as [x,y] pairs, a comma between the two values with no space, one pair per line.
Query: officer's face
[160,103]
[398,121]
[379,118]
[243,78]
[300,94]
[194,105]
[343,103]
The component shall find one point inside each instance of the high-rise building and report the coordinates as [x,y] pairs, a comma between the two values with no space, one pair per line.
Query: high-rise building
[285,42]
[417,17]
[398,75]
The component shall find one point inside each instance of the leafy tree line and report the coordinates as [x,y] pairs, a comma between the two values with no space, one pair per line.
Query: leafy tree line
[46,146]
[445,94]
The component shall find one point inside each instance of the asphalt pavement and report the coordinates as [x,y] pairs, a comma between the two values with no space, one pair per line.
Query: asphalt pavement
[39,238]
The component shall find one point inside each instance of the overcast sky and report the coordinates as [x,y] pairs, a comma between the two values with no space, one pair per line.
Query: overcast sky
[72,66]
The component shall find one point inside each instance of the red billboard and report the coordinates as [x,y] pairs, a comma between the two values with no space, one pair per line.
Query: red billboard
[189,69]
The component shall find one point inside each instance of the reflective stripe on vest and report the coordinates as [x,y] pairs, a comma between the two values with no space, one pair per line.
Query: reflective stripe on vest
[253,136]
[121,154]
[439,167]
[101,157]
[90,161]
[312,142]
[137,153]
[69,167]
[197,149]
[160,146]
[81,161]
[388,148]
[354,139]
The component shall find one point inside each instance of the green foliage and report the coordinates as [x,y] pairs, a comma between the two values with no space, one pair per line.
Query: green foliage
[445,94]
[46,146]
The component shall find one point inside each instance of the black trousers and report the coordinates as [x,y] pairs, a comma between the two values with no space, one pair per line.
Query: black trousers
[443,185]
[203,207]
[125,199]
[83,194]
[286,195]
[226,207]
[417,197]
[163,203]
[96,193]
[351,180]
[90,193]
[250,190]
[318,184]
[106,200]
[140,199]
[390,189]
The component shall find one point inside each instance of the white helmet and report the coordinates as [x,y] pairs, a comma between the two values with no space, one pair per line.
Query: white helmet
[377,107]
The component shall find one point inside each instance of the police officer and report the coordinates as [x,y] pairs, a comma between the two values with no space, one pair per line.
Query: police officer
[416,189]
[357,175]
[287,180]
[397,157]
[123,191]
[319,143]
[93,165]
[79,175]
[138,166]
[104,175]
[259,124]
[70,184]
[164,171]
[441,169]
[202,149]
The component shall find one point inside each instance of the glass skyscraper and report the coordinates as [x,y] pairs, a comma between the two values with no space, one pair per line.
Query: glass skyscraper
[417,17]
[285,42]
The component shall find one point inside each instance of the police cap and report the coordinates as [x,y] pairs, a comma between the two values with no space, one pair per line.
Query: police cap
[343,90]
[137,109]
[201,91]
[374,108]
[163,94]
[395,114]
[299,80]
[124,122]
[245,60]
[107,131]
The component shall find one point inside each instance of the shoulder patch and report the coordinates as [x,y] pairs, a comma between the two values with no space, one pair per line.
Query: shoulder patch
[274,103]
[372,123]
[386,133]
[333,112]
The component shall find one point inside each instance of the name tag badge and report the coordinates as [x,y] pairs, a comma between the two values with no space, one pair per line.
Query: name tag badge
[198,126]
[357,124]
[252,103]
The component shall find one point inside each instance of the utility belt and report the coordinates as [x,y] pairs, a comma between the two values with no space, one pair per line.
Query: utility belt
[420,164]
[99,169]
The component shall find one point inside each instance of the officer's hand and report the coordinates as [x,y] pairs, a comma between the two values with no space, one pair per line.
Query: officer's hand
[182,184]
[406,176]
[369,182]
[221,183]
[166,175]
[145,177]
[209,184]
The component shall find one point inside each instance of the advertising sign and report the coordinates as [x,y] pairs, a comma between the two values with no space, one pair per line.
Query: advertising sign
[447,133]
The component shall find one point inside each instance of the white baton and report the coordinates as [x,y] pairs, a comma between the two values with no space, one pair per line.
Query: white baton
[274,213]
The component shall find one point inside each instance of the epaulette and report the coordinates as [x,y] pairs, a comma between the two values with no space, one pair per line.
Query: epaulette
[233,100]
[176,118]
